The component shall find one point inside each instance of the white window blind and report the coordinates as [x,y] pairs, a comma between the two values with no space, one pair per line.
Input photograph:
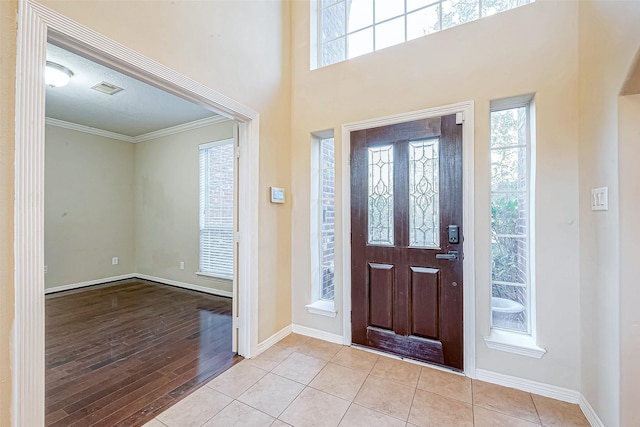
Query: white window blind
[216,208]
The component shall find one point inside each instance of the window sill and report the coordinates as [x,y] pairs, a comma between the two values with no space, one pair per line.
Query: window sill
[323,308]
[513,342]
[212,276]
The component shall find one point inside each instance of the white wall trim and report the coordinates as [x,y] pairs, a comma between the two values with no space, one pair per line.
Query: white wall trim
[36,25]
[273,339]
[185,285]
[196,124]
[467,108]
[102,281]
[317,333]
[542,389]
[589,412]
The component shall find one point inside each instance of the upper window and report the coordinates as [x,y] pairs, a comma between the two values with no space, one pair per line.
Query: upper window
[511,214]
[216,208]
[350,28]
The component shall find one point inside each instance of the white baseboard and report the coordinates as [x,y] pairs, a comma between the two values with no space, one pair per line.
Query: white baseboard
[184,285]
[588,412]
[88,283]
[316,333]
[264,345]
[542,389]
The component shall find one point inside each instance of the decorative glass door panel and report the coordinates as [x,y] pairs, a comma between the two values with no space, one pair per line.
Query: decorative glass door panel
[424,192]
[380,195]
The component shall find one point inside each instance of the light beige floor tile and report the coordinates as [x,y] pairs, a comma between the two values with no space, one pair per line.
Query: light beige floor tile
[314,408]
[239,414]
[386,396]
[446,384]
[339,381]
[294,341]
[299,367]
[154,423]
[557,413]
[272,394]
[237,380]
[397,370]
[278,423]
[320,349]
[433,410]
[196,409]
[486,418]
[509,401]
[359,416]
[270,358]
[354,358]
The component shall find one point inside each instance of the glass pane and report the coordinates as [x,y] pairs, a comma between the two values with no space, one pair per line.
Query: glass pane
[508,307]
[390,33]
[326,3]
[333,51]
[380,195]
[491,7]
[509,214]
[508,127]
[333,24]
[424,189]
[509,259]
[386,9]
[509,169]
[423,22]
[359,14]
[456,12]
[360,43]
[327,230]
[417,4]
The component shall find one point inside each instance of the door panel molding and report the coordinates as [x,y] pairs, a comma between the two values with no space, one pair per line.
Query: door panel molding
[467,110]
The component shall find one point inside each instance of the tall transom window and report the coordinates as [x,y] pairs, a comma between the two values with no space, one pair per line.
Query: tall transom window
[350,28]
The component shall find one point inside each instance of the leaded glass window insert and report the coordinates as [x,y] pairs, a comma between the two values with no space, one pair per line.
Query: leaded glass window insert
[380,171]
[510,218]
[350,28]
[424,190]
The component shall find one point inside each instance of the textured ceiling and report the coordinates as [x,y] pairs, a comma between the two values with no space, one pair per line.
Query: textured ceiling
[137,110]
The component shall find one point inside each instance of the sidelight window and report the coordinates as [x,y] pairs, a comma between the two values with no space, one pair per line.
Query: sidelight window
[350,28]
[511,215]
[216,209]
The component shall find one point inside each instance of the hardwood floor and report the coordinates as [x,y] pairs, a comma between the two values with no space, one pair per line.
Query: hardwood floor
[118,355]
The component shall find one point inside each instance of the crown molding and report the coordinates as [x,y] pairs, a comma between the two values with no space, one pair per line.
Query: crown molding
[196,124]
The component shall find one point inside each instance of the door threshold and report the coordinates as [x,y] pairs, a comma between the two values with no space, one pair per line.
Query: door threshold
[406,359]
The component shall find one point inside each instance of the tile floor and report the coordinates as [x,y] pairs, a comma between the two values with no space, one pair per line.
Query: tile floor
[302,381]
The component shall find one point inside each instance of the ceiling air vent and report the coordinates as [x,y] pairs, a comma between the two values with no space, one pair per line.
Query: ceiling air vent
[106,88]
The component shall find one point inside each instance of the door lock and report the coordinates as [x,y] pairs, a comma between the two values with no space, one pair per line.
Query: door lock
[454,234]
[451,256]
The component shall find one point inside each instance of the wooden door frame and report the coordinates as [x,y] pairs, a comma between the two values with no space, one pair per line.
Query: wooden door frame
[466,110]
[36,25]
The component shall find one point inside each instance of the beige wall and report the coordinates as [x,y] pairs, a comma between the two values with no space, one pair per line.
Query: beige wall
[89,207]
[504,55]
[167,200]
[8,26]
[609,40]
[241,49]
[629,153]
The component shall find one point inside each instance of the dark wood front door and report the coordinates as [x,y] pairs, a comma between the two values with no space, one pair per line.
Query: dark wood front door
[406,202]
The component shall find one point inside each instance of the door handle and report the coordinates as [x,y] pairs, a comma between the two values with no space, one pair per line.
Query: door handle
[451,256]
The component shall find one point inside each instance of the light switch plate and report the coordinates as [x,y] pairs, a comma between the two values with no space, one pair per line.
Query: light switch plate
[600,199]
[277,195]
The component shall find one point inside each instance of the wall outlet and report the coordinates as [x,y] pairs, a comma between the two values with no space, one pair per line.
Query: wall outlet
[114,260]
[46,269]
[181,265]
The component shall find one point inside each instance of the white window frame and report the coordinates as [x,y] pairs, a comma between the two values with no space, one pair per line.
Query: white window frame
[523,343]
[316,26]
[201,271]
[320,306]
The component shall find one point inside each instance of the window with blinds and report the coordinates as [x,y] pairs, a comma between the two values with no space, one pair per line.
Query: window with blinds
[216,208]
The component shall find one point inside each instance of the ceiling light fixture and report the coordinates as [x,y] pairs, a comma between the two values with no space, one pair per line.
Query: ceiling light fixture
[55,75]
